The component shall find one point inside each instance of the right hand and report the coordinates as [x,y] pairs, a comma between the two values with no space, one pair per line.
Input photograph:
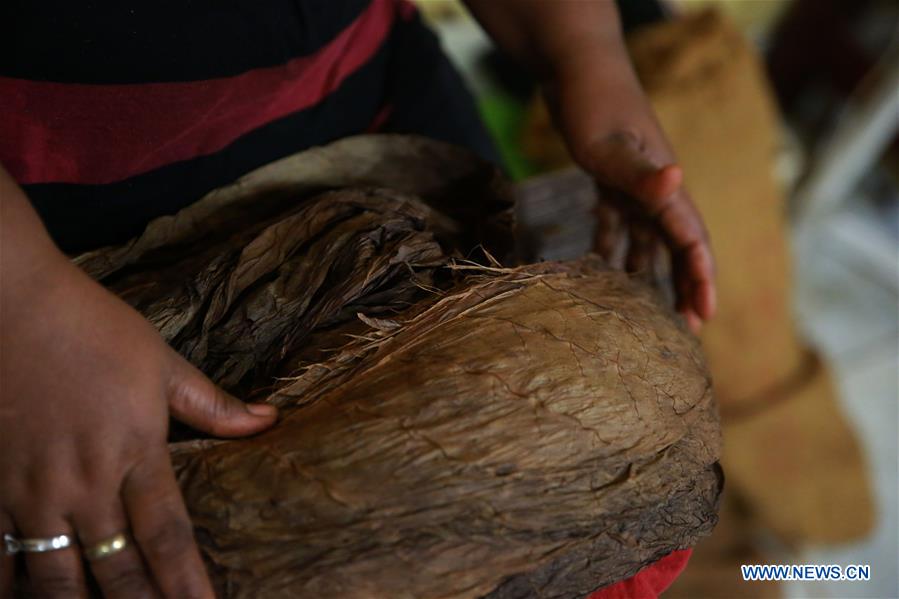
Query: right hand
[87,386]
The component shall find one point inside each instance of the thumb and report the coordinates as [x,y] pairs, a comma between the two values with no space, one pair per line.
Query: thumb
[198,402]
[620,161]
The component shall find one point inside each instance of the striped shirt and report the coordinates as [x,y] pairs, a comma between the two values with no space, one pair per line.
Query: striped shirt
[115,112]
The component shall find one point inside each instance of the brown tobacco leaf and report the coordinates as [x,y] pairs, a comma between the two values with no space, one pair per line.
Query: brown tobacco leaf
[540,431]
[237,306]
[447,429]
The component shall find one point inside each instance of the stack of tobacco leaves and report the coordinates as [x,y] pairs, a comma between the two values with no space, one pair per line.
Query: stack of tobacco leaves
[450,427]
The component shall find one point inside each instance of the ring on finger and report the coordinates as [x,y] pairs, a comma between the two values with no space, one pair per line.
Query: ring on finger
[106,547]
[15,545]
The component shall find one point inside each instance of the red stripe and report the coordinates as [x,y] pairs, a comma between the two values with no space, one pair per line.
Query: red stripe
[650,582]
[74,133]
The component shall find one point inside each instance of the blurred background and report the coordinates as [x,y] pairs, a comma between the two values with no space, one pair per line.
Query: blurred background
[785,116]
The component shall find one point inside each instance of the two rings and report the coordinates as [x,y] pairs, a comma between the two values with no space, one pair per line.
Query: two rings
[104,548]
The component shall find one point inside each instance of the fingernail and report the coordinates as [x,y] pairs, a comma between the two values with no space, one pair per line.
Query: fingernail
[261,409]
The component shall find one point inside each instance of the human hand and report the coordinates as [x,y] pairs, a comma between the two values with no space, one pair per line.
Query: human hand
[86,390]
[612,133]
[577,51]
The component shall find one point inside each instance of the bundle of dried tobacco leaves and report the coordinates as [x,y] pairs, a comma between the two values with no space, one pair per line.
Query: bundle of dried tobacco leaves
[447,430]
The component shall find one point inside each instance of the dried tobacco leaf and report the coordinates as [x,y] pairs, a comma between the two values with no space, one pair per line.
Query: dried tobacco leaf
[448,430]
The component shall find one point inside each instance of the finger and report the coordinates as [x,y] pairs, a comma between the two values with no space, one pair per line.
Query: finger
[620,161]
[196,401]
[641,248]
[684,304]
[122,574]
[51,573]
[660,184]
[694,323]
[610,239]
[661,271]
[608,226]
[693,269]
[7,562]
[162,530]
[691,253]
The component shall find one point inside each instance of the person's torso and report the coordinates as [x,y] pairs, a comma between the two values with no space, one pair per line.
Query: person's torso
[118,111]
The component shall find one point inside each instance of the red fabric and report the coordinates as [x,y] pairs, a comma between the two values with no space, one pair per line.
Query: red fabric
[649,582]
[407,10]
[95,134]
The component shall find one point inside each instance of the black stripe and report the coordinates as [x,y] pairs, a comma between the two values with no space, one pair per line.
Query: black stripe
[409,72]
[125,41]
[81,217]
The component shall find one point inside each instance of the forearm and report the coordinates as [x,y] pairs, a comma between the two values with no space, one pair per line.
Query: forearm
[548,35]
[577,51]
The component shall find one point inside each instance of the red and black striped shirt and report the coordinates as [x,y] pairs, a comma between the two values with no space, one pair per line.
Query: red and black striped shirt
[115,112]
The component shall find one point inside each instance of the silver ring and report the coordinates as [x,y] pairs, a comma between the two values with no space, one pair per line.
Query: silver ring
[14,545]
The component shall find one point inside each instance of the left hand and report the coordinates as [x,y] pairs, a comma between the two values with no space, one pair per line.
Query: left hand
[612,133]
[577,51]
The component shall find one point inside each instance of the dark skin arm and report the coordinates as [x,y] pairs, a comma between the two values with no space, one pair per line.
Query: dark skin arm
[577,51]
[87,386]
